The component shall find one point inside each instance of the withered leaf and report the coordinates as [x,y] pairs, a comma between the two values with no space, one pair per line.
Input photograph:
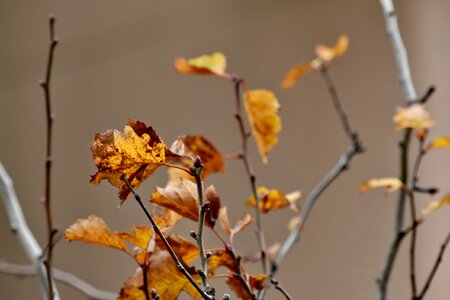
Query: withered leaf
[274,199]
[414,116]
[181,196]
[136,152]
[222,258]
[435,205]
[241,224]
[262,110]
[214,64]
[390,184]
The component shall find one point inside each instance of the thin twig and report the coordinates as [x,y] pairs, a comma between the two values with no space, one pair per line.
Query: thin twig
[20,228]
[61,276]
[172,253]
[144,268]
[435,267]
[197,172]
[278,287]
[238,83]
[45,84]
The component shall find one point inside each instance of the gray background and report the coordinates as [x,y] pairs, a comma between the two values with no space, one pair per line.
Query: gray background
[115,61]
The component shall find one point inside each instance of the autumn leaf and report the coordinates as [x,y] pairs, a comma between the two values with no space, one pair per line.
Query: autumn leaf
[240,225]
[136,152]
[257,282]
[214,64]
[435,205]
[324,57]
[274,199]
[181,196]
[262,110]
[390,185]
[439,142]
[222,258]
[414,116]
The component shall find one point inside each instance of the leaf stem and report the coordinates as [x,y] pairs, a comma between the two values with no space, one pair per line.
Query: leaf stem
[45,84]
[172,253]
[197,173]
[238,83]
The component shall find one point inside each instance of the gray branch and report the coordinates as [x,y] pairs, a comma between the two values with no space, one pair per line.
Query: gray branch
[20,228]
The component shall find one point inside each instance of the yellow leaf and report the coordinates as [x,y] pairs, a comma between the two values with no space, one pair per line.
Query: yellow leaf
[136,152]
[214,64]
[390,184]
[414,116]
[439,142]
[435,205]
[327,54]
[295,73]
[262,111]
[274,199]
[94,230]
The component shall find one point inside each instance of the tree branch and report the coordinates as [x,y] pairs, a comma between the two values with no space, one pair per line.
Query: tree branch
[61,276]
[20,228]
[172,253]
[45,84]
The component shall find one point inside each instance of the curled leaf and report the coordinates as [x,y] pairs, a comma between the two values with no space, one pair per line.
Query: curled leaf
[262,110]
[274,199]
[241,224]
[326,54]
[435,205]
[414,116]
[181,196]
[214,64]
[390,184]
[136,152]
[295,73]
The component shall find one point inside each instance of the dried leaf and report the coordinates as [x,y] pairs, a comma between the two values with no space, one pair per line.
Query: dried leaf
[292,224]
[257,282]
[390,184]
[238,287]
[241,224]
[272,251]
[222,258]
[327,54]
[294,74]
[274,199]
[211,157]
[214,64]
[178,147]
[435,205]
[181,196]
[136,152]
[262,110]
[414,116]
[439,142]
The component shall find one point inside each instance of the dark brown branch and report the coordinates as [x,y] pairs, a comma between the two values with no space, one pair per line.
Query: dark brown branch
[172,253]
[412,247]
[278,287]
[45,84]
[435,268]
[144,269]
[62,276]
[238,83]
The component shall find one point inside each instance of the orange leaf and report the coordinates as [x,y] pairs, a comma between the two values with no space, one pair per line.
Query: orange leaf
[439,142]
[181,196]
[262,111]
[214,64]
[390,184]
[274,199]
[414,116]
[257,282]
[435,205]
[136,152]
[222,258]
[237,285]
[241,224]
[295,73]
[327,54]
[212,159]
[94,230]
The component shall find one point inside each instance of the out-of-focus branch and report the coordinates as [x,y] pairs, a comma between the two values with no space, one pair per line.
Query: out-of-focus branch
[401,56]
[20,228]
[61,276]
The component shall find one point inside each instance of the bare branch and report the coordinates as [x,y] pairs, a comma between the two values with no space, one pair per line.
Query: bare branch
[61,276]
[20,228]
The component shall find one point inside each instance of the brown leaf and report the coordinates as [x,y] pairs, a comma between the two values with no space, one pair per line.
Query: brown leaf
[262,111]
[257,282]
[241,224]
[414,116]
[237,285]
[181,196]
[214,64]
[212,159]
[222,258]
[136,152]
[274,199]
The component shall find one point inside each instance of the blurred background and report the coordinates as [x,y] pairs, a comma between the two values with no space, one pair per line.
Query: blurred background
[115,60]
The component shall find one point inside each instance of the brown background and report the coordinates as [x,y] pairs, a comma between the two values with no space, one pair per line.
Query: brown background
[115,61]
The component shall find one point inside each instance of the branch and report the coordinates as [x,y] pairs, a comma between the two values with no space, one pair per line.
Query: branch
[278,287]
[172,253]
[45,84]
[401,56]
[59,275]
[238,82]
[435,267]
[20,228]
